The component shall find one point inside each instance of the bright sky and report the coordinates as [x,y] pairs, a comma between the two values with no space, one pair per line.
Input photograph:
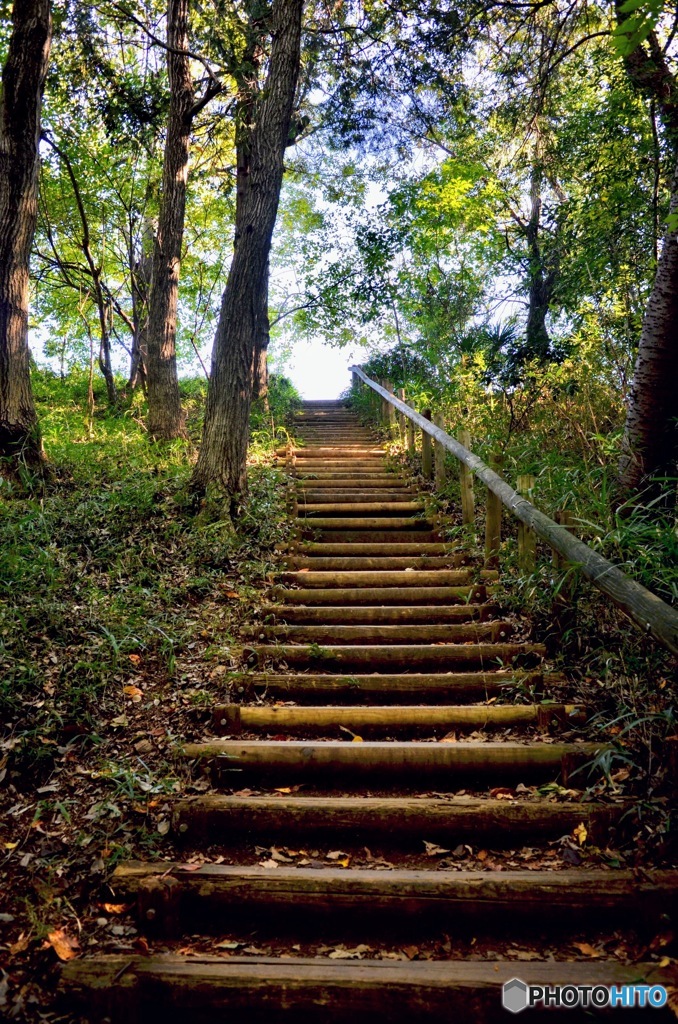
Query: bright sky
[320,371]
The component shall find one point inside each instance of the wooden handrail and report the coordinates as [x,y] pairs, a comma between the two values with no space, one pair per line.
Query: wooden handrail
[648,611]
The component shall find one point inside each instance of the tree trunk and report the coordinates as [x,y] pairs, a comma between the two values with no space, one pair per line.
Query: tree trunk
[260,367]
[165,415]
[540,280]
[23,81]
[141,285]
[650,446]
[223,455]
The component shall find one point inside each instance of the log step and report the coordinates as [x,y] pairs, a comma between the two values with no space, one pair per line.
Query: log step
[320,596]
[459,632]
[395,550]
[365,523]
[357,563]
[405,762]
[176,897]
[320,481]
[402,821]
[362,507]
[399,657]
[429,614]
[232,719]
[385,578]
[441,687]
[202,989]
[343,496]
[414,534]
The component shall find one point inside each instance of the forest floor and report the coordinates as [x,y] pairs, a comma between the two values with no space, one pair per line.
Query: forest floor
[120,626]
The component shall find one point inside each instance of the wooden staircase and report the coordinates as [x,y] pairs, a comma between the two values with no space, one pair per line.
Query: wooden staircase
[386,647]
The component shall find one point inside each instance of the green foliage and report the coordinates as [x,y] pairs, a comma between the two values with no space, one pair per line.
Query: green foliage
[106,570]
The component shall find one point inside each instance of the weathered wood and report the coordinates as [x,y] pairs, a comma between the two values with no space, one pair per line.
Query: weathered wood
[653,615]
[371,481]
[430,614]
[390,413]
[353,563]
[440,475]
[187,898]
[397,549]
[468,512]
[358,633]
[401,418]
[397,657]
[527,541]
[368,578]
[414,533]
[245,990]
[374,595]
[363,507]
[340,495]
[426,450]
[407,763]
[232,719]
[493,518]
[404,820]
[394,688]
[564,519]
[366,523]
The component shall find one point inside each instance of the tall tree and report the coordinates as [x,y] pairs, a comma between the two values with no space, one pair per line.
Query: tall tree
[23,81]
[223,455]
[165,416]
[650,447]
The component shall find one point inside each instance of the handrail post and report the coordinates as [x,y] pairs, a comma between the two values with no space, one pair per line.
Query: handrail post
[468,512]
[527,539]
[400,393]
[439,454]
[426,449]
[564,519]
[389,409]
[493,512]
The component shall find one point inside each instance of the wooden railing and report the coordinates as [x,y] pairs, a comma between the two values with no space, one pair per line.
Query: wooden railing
[648,611]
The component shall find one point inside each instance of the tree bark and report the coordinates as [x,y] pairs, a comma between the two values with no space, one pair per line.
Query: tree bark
[260,367]
[23,81]
[165,415]
[650,444]
[142,273]
[223,455]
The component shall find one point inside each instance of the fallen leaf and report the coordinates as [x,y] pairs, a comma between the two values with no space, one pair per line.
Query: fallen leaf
[580,833]
[587,949]
[340,953]
[283,789]
[357,739]
[115,908]
[270,863]
[20,945]
[134,658]
[64,945]
[163,826]
[232,593]
[337,855]
[133,692]
[433,850]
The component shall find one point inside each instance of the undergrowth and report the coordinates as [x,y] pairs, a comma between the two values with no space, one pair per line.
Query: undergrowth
[100,573]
